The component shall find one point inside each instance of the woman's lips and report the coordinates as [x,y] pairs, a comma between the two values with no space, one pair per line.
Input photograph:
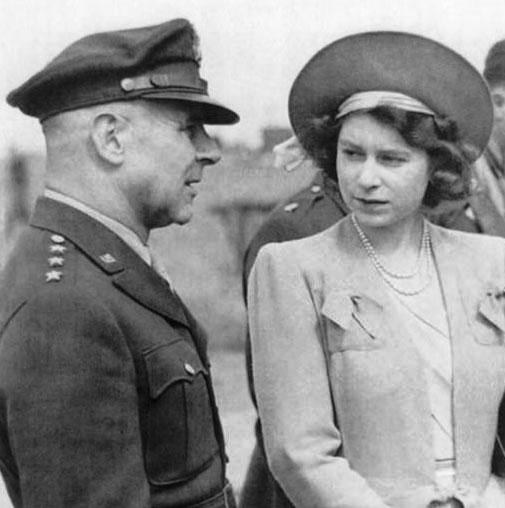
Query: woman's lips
[371,202]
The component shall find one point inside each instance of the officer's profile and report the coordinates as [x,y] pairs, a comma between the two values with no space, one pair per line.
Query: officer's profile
[106,397]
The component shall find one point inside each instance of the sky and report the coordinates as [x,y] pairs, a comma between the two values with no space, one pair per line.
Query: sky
[252,50]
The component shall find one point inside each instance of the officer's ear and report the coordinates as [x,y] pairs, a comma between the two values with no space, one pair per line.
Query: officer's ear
[108,137]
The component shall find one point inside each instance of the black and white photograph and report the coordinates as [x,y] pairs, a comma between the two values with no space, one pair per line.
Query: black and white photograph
[252,254]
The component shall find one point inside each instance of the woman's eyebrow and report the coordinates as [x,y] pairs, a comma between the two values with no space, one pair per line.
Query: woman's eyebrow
[394,150]
[348,142]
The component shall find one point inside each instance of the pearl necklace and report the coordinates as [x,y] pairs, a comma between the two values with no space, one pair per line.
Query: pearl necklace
[423,258]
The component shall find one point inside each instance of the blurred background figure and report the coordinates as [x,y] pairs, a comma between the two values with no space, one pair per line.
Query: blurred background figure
[490,168]
[17,198]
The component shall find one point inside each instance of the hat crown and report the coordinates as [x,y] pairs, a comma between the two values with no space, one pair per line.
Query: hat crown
[400,62]
[165,58]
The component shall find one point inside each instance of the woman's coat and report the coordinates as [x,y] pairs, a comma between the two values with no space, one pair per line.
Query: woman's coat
[320,298]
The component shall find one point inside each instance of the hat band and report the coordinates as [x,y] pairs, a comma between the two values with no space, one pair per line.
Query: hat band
[164,81]
[375,98]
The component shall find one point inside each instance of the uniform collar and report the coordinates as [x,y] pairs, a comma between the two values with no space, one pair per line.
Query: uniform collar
[111,253]
[126,234]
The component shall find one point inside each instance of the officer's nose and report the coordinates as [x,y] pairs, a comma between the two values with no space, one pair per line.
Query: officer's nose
[207,149]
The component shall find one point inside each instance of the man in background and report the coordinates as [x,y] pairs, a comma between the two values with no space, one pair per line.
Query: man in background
[106,397]
[490,168]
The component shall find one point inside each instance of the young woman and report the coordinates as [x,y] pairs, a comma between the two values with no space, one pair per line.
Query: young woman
[379,344]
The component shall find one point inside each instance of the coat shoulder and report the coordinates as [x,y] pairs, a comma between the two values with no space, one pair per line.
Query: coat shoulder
[42,275]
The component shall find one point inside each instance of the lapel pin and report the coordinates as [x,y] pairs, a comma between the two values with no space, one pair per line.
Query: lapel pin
[107,258]
[55,261]
[57,238]
[53,276]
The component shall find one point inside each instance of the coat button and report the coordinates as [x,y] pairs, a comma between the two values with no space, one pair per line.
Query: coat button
[291,207]
[127,84]
[57,238]
[189,369]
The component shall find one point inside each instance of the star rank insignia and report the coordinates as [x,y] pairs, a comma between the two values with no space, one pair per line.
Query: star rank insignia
[53,276]
[57,238]
[57,249]
[55,261]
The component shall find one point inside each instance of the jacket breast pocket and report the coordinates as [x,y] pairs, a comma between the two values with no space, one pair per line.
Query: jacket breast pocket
[181,438]
[353,323]
[489,324]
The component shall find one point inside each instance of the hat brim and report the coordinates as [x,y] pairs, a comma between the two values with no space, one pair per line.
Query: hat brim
[214,113]
[398,62]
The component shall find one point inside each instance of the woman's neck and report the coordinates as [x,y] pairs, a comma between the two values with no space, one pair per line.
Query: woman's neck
[399,241]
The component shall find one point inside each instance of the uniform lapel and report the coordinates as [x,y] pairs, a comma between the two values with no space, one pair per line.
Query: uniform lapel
[143,284]
[128,271]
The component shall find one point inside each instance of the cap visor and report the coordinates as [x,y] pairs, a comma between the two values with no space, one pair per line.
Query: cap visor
[214,113]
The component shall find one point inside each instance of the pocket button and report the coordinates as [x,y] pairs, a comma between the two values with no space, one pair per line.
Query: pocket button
[189,369]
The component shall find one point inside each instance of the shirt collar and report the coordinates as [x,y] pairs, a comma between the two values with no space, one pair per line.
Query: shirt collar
[126,234]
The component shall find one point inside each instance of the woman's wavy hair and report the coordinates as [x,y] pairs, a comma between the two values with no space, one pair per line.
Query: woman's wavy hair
[450,160]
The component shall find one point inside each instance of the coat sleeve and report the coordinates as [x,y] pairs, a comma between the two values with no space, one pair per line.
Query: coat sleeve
[293,392]
[69,395]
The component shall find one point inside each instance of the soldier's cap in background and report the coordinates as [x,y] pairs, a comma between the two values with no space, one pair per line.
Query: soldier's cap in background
[155,62]
[397,62]
[494,68]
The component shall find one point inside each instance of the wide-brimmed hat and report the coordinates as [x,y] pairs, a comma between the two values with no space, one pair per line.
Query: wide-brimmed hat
[398,62]
[156,62]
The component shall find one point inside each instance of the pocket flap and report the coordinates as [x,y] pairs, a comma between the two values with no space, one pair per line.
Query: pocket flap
[338,307]
[492,308]
[169,364]
[343,307]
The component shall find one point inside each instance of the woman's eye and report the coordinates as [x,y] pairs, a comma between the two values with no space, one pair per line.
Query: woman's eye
[392,159]
[351,154]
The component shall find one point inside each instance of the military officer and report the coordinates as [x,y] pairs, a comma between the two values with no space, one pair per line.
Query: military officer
[105,390]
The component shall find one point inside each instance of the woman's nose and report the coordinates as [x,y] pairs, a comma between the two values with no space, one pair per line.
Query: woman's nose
[369,173]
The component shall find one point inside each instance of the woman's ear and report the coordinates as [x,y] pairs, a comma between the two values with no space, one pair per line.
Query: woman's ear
[108,139]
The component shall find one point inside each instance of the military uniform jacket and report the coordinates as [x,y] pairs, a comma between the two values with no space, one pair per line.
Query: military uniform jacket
[105,389]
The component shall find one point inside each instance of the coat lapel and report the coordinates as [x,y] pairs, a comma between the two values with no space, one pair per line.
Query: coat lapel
[446,252]
[128,271]
[363,285]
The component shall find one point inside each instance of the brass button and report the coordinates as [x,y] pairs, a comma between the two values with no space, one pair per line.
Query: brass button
[57,238]
[291,207]
[127,84]
[189,369]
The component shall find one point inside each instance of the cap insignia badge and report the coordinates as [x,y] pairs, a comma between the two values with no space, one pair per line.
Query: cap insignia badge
[197,52]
